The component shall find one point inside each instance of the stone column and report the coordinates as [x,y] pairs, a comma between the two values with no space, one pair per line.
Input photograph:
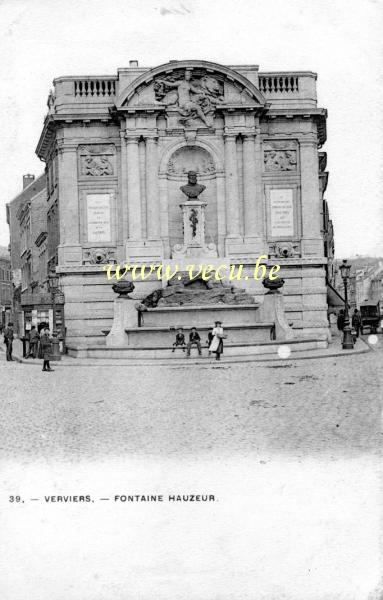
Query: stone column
[310,198]
[134,192]
[249,186]
[152,190]
[232,196]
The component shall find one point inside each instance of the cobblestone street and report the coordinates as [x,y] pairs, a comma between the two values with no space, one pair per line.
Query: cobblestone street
[290,451]
[297,408]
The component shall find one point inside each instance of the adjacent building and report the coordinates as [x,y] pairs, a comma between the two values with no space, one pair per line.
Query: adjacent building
[5,287]
[118,148]
[27,218]
[365,283]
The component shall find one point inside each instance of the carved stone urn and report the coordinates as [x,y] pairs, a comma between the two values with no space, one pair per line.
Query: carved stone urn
[273,285]
[123,288]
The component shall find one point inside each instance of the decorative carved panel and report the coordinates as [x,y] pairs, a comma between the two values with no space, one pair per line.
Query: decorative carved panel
[97,160]
[284,249]
[99,256]
[190,158]
[280,156]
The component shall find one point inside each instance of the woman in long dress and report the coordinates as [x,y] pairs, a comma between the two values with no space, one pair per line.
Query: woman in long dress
[46,349]
[216,344]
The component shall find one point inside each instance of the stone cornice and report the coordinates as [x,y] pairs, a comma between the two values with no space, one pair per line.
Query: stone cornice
[317,114]
[53,121]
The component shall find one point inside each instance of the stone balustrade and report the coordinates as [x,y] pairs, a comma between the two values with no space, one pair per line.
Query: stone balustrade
[71,93]
[94,87]
[277,87]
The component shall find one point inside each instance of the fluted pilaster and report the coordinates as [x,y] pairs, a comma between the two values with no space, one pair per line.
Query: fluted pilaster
[232,195]
[133,187]
[249,186]
[152,190]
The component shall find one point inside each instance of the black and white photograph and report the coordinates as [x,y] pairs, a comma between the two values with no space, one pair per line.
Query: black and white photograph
[191,300]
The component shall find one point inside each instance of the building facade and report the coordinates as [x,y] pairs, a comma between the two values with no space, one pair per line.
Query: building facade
[27,218]
[5,287]
[118,148]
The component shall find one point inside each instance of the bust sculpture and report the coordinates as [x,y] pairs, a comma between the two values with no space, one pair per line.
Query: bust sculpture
[192,189]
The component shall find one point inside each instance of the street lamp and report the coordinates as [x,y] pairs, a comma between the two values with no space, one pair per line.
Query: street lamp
[53,287]
[348,340]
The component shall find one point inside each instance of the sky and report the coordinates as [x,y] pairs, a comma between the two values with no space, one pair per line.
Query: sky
[338,39]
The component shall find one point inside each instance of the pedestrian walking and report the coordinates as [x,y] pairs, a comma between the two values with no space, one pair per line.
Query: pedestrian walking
[33,343]
[194,340]
[356,322]
[46,349]
[8,340]
[216,345]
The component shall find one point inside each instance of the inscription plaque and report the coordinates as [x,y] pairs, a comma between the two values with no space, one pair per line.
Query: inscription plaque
[98,217]
[281,213]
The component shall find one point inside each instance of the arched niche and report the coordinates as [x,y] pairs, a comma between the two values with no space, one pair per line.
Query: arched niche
[178,163]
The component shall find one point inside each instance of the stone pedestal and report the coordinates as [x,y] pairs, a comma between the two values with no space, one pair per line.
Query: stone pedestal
[273,310]
[124,316]
[193,214]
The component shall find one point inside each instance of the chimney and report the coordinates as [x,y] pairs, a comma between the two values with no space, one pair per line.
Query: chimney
[133,64]
[27,180]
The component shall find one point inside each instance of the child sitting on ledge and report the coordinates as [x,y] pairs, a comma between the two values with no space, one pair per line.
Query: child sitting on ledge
[180,340]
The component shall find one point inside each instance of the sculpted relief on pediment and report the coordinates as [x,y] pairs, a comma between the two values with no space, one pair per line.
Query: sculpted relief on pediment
[191,97]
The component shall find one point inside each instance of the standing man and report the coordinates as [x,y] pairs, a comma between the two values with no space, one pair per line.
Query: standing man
[33,342]
[46,349]
[8,339]
[217,341]
[356,322]
[194,339]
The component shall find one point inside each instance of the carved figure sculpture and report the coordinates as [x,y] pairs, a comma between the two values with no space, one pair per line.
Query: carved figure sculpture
[193,221]
[194,99]
[192,189]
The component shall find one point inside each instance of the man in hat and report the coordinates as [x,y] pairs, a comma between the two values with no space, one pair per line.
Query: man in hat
[8,339]
[216,344]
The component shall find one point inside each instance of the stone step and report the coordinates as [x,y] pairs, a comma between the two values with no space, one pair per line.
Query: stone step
[230,349]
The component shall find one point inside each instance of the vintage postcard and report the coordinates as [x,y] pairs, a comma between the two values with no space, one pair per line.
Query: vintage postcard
[191,300]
